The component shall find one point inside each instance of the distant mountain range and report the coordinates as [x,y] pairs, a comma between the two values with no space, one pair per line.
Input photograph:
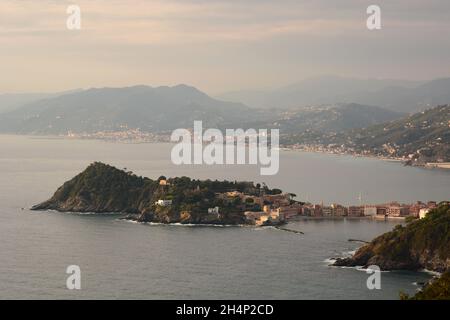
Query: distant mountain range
[113,109]
[12,101]
[348,127]
[326,119]
[422,137]
[163,109]
[396,95]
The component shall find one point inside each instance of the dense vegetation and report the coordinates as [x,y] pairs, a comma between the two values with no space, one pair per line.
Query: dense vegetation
[423,136]
[437,289]
[326,119]
[421,244]
[103,188]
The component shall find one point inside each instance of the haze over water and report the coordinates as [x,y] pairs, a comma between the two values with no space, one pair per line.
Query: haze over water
[125,260]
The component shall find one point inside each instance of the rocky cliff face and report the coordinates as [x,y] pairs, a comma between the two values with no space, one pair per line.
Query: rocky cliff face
[186,217]
[421,244]
[436,289]
[102,188]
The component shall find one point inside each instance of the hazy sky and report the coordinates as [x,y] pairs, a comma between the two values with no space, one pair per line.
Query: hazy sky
[217,45]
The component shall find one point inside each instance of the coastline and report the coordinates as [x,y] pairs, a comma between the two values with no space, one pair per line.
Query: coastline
[165,140]
[300,217]
[440,165]
[375,218]
[428,165]
[418,245]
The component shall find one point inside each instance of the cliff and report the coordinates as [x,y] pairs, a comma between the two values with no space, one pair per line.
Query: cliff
[436,289]
[421,244]
[102,188]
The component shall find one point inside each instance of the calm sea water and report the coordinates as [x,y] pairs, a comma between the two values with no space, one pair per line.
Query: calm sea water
[133,261]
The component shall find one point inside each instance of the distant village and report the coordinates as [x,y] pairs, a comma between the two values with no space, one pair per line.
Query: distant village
[389,153]
[274,209]
[280,208]
[124,135]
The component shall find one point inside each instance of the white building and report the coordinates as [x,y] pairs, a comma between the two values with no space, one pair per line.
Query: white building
[423,212]
[163,203]
[213,210]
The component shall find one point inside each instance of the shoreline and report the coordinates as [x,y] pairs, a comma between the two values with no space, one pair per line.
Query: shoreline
[300,217]
[121,216]
[429,165]
[375,218]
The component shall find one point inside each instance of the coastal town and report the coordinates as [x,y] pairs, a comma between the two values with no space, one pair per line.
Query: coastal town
[280,208]
[274,209]
[207,202]
[389,152]
[124,135]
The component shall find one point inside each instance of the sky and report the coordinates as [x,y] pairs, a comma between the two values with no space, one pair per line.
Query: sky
[217,45]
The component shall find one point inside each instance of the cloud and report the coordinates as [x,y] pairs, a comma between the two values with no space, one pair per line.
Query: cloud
[219,44]
[167,22]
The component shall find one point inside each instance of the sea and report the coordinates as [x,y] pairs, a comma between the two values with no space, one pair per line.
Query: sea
[124,260]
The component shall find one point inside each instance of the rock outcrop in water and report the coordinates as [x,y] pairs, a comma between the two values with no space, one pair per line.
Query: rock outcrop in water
[103,189]
[421,244]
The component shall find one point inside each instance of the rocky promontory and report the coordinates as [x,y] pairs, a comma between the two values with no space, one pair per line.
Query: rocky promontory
[102,188]
[421,244]
[435,289]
